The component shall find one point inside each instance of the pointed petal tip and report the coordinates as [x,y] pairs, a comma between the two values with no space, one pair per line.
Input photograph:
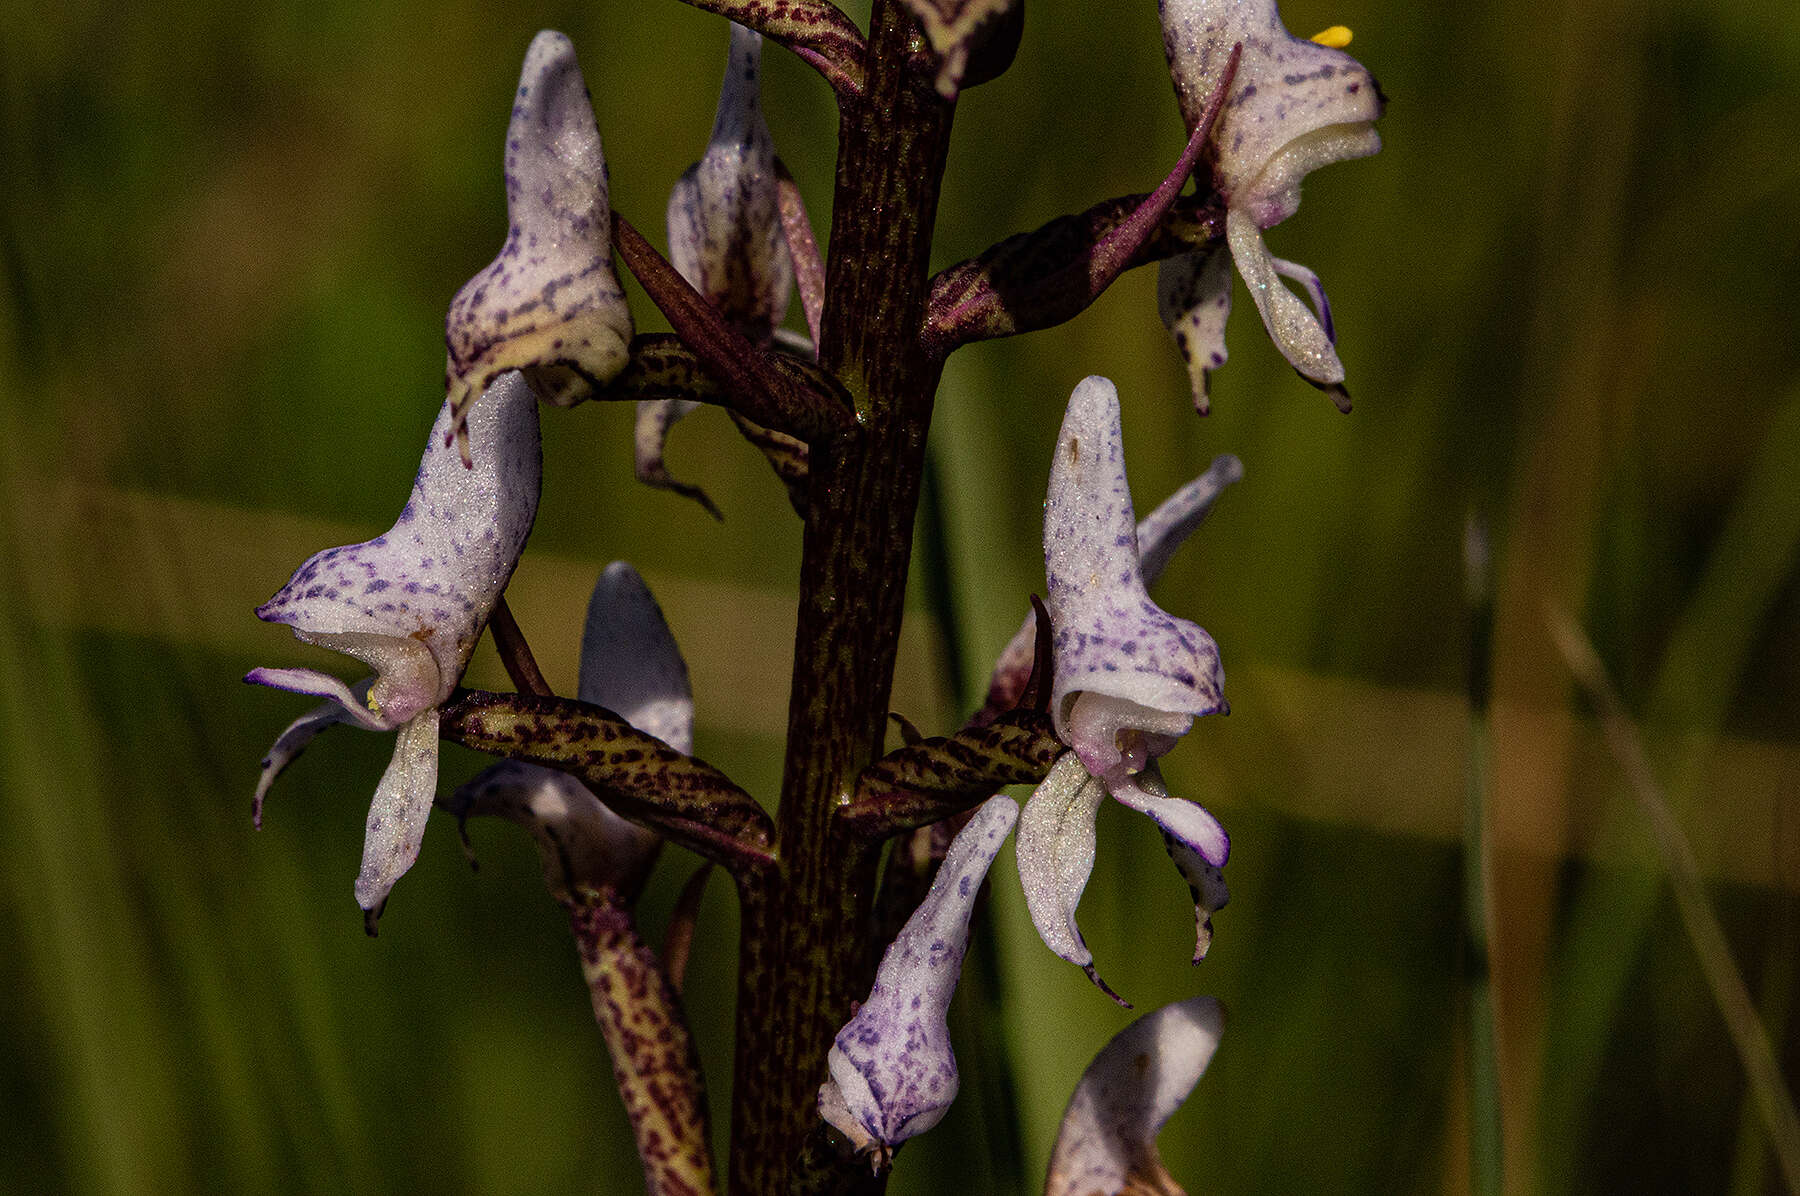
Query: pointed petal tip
[1094,975]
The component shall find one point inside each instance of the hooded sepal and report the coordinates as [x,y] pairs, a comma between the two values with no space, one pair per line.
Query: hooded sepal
[412,602]
[1160,534]
[1294,105]
[893,1073]
[550,304]
[725,226]
[1130,678]
[1107,1144]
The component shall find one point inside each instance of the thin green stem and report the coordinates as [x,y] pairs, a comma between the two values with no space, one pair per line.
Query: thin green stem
[1767,1088]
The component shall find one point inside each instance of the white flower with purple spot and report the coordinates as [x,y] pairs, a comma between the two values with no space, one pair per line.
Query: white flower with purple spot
[893,1073]
[1129,679]
[550,303]
[1294,105]
[411,604]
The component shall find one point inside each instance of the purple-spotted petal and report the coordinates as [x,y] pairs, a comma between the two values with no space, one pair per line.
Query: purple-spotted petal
[350,700]
[893,1074]
[1165,529]
[1293,327]
[396,824]
[1130,678]
[291,742]
[1107,1144]
[550,304]
[1315,292]
[630,663]
[1206,884]
[725,233]
[1286,91]
[1193,296]
[433,578]
[1188,822]
[1056,856]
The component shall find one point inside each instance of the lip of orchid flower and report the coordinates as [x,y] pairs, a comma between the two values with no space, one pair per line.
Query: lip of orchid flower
[550,303]
[411,603]
[1129,677]
[631,665]
[726,239]
[1107,1143]
[1293,106]
[893,1073]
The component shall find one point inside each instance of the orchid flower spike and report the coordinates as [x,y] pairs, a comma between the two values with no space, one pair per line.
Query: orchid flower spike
[631,665]
[1107,1143]
[1294,105]
[893,1074]
[1128,682]
[411,604]
[550,304]
[725,237]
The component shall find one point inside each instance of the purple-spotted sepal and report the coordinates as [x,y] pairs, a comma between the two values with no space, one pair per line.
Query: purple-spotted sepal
[1107,1144]
[550,304]
[893,1073]
[411,604]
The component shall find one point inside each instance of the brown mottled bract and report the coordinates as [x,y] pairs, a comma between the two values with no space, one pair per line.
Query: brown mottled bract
[786,456]
[815,30]
[944,775]
[1024,283]
[661,367]
[653,1056]
[687,800]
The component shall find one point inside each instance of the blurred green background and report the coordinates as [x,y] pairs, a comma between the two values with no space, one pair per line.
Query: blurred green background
[1564,293]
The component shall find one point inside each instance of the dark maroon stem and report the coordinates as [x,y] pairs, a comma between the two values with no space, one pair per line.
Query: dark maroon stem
[515,653]
[806,926]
